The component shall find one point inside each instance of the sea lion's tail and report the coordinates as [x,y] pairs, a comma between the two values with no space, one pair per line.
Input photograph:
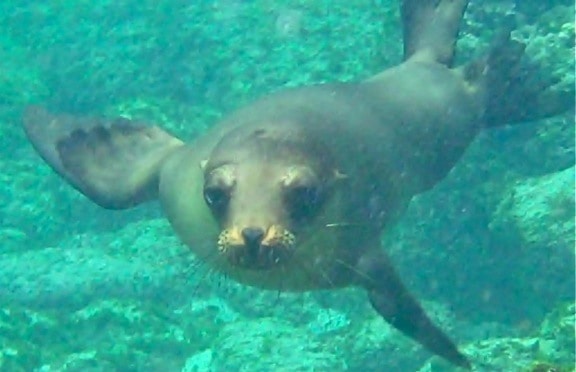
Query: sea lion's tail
[114,162]
[431,29]
[516,89]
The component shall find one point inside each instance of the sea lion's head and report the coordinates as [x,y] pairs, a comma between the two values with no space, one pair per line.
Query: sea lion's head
[265,186]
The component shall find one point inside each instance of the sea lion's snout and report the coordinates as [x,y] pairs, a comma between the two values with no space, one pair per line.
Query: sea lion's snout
[252,236]
[255,248]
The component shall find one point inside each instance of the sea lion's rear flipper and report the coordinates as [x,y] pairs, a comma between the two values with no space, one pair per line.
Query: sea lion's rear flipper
[115,163]
[516,89]
[430,29]
[399,308]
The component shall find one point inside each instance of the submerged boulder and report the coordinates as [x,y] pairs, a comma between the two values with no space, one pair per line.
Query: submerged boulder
[269,344]
[541,211]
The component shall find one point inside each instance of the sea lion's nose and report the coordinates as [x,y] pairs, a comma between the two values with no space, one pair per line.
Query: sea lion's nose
[252,236]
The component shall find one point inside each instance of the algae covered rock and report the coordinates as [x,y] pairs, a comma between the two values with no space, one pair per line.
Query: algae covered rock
[105,335]
[498,354]
[130,335]
[20,80]
[535,222]
[541,210]
[557,340]
[270,344]
[199,362]
[142,259]
[20,331]
[550,348]
[551,42]
[372,345]
[31,209]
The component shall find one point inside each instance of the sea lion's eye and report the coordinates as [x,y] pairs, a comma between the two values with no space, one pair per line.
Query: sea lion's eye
[303,201]
[216,198]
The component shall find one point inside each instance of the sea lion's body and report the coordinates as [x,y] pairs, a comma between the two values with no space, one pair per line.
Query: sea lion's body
[292,192]
[382,141]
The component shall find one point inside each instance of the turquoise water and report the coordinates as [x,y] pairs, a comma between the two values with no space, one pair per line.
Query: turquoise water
[489,251]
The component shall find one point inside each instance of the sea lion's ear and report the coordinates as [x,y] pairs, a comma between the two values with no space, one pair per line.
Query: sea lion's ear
[115,163]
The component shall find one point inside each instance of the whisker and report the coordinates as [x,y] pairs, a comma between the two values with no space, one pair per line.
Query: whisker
[278,294]
[352,268]
[203,259]
[224,282]
[196,264]
[175,259]
[190,265]
[172,257]
[310,276]
[340,225]
[201,280]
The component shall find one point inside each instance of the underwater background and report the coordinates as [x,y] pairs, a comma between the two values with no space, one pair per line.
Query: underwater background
[489,251]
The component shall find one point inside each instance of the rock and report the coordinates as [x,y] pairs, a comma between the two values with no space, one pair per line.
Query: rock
[541,210]
[556,340]
[270,344]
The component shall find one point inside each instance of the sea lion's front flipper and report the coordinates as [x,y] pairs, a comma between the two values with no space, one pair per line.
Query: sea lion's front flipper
[115,162]
[393,301]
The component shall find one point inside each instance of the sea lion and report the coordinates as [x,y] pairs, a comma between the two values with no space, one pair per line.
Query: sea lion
[293,191]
